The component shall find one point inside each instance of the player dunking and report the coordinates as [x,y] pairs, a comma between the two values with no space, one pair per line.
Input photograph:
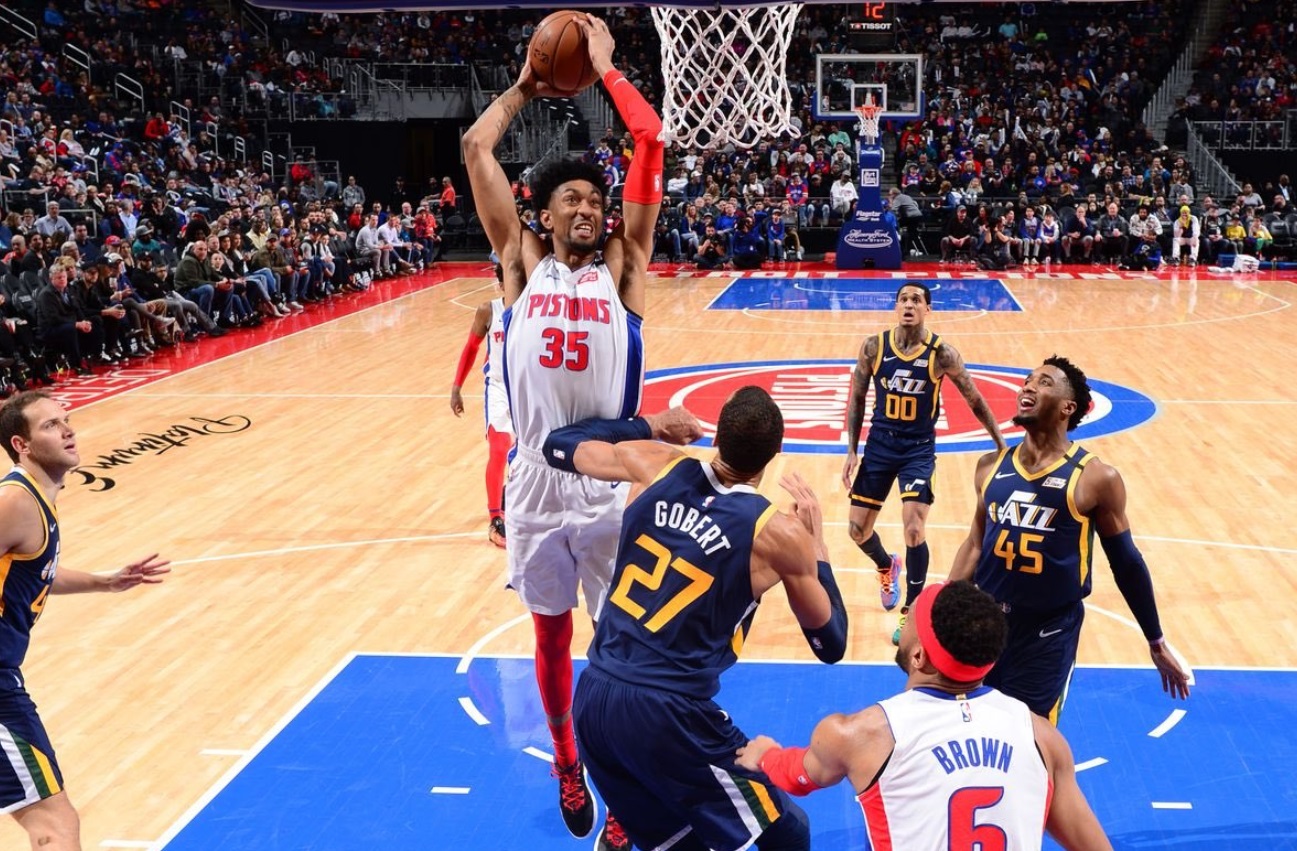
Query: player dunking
[1030,546]
[949,762]
[700,547]
[906,364]
[43,446]
[573,350]
[488,324]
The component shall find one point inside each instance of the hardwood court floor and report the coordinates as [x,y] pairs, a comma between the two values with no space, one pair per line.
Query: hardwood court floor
[321,499]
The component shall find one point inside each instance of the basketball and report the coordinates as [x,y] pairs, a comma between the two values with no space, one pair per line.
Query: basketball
[558,54]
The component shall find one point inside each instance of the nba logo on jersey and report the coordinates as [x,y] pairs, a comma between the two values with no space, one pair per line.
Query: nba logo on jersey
[967,711]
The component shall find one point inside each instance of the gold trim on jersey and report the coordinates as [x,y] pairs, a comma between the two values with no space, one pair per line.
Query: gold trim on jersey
[40,502]
[932,362]
[923,346]
[986,483]
[1072,482]
[1040,474]
[763,520]
[882,348]
[668,467]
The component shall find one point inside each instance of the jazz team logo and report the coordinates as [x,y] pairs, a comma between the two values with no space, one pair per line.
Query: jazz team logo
[813,394]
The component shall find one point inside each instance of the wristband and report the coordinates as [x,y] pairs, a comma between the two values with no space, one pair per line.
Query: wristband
[786,768]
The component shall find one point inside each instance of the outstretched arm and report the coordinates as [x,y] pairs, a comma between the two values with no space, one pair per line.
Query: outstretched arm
[952,364]
[642,192]
[1130,571]
[492,194]
[621,450]
[842,746]
[146,571]
[860,377]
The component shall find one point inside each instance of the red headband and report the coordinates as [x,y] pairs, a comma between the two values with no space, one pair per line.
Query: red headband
[947,665]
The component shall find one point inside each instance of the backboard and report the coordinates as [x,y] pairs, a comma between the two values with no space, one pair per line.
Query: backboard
[845,81]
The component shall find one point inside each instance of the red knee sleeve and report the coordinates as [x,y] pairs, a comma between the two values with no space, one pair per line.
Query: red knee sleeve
[644,179]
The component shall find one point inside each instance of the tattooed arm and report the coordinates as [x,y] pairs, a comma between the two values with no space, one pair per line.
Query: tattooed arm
[951,364]
[860,377]
[492,193]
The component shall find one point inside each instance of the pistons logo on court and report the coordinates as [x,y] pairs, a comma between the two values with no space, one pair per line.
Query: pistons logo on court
[813,395]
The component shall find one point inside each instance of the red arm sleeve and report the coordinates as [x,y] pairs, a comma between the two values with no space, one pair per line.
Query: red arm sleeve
[644,180]
[467,357]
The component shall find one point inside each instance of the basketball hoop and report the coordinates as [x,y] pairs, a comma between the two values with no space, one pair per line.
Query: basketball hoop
[724,70]
[867,126]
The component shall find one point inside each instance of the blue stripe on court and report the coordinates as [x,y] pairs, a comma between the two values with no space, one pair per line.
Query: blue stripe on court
[848,293]
[353,771]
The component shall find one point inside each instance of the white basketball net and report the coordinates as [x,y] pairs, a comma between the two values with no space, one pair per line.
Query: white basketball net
[867,124]
[724,70]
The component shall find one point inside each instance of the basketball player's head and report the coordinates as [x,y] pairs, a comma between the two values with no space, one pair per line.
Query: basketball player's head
[569,197]
[913,303]
[35,431]
[1055,392]
[958,626]
[750,431]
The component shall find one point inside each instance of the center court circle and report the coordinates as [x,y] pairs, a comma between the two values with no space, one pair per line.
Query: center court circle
[813,395]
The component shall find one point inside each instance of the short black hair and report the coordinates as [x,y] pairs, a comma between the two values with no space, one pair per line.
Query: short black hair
[13,419]
[927,293]
[1080,388]
[969,624]
[546,180]
[750,431]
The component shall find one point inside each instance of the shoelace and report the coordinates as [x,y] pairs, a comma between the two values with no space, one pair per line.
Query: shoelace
[571,789]
[614,834]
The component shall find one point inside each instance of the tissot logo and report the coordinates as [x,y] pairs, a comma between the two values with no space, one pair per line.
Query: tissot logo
[813,397]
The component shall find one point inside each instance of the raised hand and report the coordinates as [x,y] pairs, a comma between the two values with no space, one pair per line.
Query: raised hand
[805,504]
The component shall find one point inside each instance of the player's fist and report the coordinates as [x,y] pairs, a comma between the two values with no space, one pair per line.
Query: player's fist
[675,425]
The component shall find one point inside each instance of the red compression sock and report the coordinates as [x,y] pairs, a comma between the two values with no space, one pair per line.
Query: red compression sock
[500,442]
[554,676]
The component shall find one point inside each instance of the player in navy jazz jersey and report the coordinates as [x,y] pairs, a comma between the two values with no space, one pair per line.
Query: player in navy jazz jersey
[43,446]
[906,365]
[699,548]
[1032,542]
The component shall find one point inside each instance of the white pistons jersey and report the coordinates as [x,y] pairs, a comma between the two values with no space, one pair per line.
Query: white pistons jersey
[497,400]
[571,351]
[965,773]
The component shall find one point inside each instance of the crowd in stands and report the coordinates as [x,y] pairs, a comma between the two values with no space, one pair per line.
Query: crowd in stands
[1248,74]
[84,188]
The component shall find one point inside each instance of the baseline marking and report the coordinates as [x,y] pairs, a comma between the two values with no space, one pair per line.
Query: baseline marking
[449,790]
[278,727]
[538,753]
[1172,805]
[1091,763]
